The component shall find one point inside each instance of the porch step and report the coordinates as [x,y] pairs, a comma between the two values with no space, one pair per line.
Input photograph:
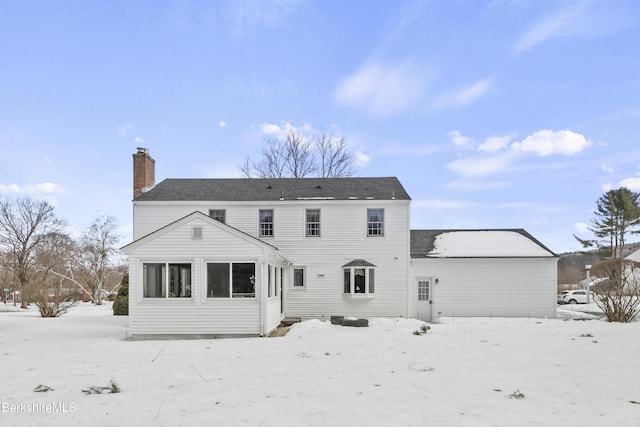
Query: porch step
[288,321]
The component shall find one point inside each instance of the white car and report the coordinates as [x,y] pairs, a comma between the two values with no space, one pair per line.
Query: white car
[574,297]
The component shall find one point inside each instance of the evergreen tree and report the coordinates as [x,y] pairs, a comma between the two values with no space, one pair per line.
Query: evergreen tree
[617,215]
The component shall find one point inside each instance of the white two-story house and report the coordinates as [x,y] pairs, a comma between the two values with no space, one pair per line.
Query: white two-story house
[225,257]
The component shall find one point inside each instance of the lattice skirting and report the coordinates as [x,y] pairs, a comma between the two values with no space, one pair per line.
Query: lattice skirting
[176,337]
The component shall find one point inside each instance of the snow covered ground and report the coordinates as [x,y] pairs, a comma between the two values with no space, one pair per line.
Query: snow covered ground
[463,372]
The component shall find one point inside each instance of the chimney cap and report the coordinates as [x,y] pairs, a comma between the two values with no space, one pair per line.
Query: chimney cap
[142,150]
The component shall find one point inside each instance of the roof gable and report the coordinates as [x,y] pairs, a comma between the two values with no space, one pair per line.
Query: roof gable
[271,189]
[185,220]
[495,243]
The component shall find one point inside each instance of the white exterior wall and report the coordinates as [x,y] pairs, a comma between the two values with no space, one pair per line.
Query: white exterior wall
[200,315]
[343,239]
[483,287]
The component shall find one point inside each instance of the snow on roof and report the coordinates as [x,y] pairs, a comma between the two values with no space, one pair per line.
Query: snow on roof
[487,244]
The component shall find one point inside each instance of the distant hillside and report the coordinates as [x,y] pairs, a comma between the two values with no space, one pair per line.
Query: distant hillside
[571,264]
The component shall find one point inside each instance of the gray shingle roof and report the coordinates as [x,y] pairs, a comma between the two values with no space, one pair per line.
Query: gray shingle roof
[268,189]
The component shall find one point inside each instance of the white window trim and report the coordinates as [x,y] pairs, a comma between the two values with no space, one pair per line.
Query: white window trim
[353,294]
[273,223]
[319,235]
[293,278]
[205,283]
[164,261]
[366,223]
[224,214]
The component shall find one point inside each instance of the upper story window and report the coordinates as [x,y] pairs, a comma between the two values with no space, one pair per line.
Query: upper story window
[375,222]
[313,223]
[162,280]
[218,215]
[266,222]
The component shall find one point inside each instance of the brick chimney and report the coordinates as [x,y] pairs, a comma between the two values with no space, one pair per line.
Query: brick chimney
[144,172]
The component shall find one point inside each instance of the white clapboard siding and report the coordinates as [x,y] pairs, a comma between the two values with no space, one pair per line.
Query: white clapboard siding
[170,317]
[200,315]
[484,287]
[273,314]
[343,238]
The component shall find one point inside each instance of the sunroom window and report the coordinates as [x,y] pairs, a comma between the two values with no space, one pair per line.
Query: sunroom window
[231,280]
[162,280]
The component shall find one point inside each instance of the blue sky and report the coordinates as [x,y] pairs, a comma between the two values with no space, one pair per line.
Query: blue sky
[496,114]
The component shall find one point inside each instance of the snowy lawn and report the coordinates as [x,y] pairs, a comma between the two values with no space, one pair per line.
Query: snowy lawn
[463,372]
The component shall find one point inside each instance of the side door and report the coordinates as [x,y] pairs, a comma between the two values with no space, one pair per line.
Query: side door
[424,303]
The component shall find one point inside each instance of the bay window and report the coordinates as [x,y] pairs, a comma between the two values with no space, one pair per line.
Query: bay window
[359,278]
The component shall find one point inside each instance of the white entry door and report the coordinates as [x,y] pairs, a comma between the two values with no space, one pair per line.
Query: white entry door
[423,305]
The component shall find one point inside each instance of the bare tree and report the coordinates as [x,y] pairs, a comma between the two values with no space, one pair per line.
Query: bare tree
[299,156]
[273,163]
[51,293]
[93,262]
[618,294]
[96,259]
[24,224]
[334,159]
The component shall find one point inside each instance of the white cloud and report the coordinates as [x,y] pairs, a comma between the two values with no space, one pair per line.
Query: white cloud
[473,184]
[632,184]
[561,23]
[361,158]
[138,140]
[584,18]
[464,96]
[271,129]
[381,89]
[44,188]
[34,189]
[481,165]
[11,188]
[495,143]
[124,129]
[581,228]
[44,191]
[222,124]
[547,142]
[607,167]
[249,15]
[458,139]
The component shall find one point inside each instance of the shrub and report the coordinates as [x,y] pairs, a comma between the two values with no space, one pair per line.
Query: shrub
[121,306]
[124,286]
[618,294]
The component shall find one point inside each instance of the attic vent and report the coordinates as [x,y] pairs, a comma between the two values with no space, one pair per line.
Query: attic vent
[196,233]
